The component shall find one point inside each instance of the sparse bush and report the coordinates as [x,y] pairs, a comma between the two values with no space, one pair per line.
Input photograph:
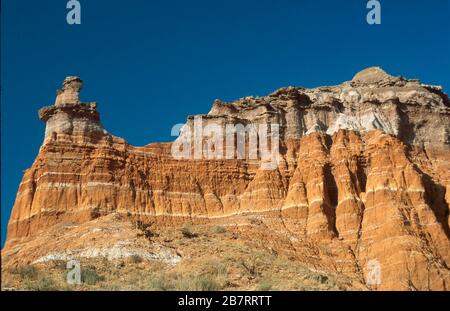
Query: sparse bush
[145,228]
[264,285]
[89,276]
[196,283]
[313,280]
[219,229]
[318,277]
[214,267]
[96,213]
[59,264]
[184,282]
[25,272]
[187,233]
[43,284]
[160,283]
[206,283]
[251,267]
[323,279]
[255,221]
[135,258]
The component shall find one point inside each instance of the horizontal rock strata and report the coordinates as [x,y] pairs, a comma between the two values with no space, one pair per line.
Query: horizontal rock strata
[364,168]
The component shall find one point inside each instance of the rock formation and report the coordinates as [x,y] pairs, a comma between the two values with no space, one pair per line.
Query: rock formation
[364,170]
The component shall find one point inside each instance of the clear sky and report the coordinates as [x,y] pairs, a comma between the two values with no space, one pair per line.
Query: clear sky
[149,64]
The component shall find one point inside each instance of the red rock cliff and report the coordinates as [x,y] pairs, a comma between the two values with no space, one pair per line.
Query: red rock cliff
[364,168]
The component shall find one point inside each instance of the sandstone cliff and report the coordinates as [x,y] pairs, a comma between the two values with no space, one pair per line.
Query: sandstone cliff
[364,172]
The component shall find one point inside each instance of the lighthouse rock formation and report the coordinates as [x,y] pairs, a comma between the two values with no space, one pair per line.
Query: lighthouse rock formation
[364,170]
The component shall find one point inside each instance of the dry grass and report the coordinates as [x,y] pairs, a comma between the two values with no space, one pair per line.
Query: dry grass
[213,260]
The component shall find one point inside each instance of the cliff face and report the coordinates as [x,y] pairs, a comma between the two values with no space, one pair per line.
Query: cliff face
[364,170]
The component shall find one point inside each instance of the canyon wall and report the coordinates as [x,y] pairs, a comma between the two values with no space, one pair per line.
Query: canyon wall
[364,168]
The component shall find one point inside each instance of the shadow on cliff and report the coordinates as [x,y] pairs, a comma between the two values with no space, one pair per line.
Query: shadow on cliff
[435,198]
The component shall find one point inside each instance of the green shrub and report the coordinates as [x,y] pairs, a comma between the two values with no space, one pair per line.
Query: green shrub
[219,229]
[26,272]
[59,264]
[89,276]
[264,285]
[43,284]
[214,268]
[187,233]
[161,283]
[145,228]
[183,282]
[205,283]
[251,267]
[255,221]
[135,258]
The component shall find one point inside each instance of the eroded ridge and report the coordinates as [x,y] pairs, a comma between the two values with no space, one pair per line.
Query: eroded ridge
[363,171]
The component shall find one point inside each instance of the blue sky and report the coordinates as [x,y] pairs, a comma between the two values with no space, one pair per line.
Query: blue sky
[149,64]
